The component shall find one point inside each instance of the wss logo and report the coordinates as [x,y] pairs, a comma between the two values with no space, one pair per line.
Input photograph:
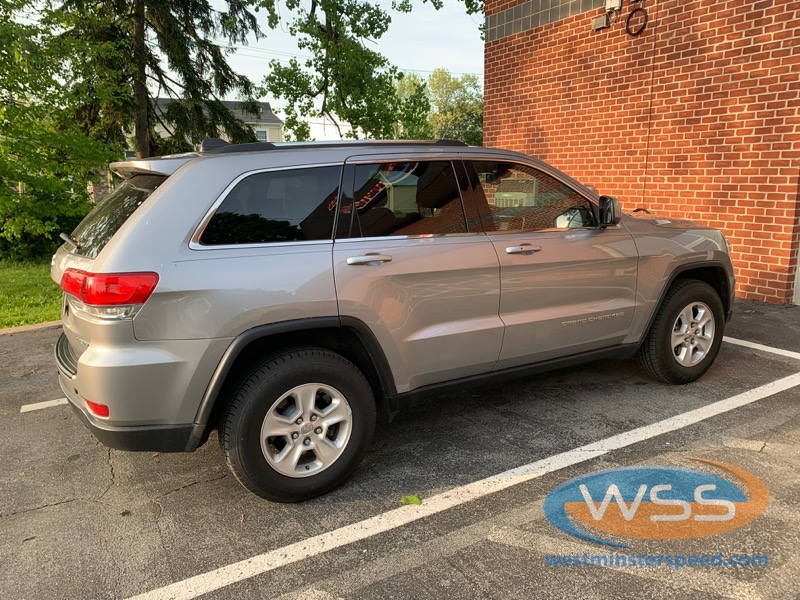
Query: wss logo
[657,503]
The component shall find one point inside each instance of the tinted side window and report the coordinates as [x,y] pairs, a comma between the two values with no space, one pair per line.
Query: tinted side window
[277,206]
[407,198]
[521,198]
[100,225]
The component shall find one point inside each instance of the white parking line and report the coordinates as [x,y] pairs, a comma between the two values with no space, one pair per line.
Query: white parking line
[40,405]
[269,561]
[762,347]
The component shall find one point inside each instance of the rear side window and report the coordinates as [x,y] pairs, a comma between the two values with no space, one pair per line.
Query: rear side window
[100,225]
[277,206]
[407,198]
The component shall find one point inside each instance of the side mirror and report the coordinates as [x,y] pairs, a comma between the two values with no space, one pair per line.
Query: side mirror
[610,212]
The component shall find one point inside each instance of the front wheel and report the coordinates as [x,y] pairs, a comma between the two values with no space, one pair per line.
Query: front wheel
[299,425]
[686,334]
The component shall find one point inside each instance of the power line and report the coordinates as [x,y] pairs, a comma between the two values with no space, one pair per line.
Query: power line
[269,51]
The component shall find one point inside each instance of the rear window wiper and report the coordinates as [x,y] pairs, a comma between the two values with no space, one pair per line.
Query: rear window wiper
[70,239]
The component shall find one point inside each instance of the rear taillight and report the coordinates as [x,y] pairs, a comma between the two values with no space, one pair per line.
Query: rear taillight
[109,289]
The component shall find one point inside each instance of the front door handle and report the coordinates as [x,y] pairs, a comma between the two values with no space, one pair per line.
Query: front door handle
[370,260]
[523,249]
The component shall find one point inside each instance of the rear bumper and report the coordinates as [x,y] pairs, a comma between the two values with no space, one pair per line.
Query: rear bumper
[157,437]
[143,438]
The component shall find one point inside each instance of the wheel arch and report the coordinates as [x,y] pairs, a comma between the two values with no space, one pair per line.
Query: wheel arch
[349,337]
[712,273]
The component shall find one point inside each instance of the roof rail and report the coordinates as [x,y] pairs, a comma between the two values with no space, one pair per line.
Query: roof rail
[443,142]
[213,143]
[219,146]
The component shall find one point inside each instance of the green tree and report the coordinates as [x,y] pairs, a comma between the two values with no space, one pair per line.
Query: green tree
[456,107]
[412,120]
[169,47]
[46,160]
[343,79]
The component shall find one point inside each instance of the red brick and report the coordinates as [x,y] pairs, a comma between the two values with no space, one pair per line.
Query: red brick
[696,117]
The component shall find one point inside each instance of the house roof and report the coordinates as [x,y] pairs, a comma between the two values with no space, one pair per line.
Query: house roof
[267,117]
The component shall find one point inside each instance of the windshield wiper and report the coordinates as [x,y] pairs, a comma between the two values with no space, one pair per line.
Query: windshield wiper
[70,239]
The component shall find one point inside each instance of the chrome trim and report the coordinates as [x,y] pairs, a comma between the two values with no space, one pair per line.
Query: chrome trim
[202,248]
[194,241]
[378,238]
[369,259]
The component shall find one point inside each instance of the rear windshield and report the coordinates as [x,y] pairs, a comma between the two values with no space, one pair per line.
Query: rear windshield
[100,225]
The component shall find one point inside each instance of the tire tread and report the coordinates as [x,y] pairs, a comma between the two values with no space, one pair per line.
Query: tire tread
[653,359]
[269,368]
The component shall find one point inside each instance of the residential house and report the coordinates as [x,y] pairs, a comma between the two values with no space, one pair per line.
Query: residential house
[267,126]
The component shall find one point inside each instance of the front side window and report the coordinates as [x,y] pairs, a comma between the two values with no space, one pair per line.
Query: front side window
[521,198]
[277,206]
[406,198]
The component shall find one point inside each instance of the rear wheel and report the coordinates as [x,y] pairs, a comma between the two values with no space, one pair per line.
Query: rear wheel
[298,425]
[686,334]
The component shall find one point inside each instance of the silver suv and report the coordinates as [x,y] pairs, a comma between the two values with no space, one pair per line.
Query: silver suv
[288,294]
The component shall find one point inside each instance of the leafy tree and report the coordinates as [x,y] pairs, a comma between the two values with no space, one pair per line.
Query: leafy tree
[412,121]
[46,160]
[343,80]
[456,107]
[163,46]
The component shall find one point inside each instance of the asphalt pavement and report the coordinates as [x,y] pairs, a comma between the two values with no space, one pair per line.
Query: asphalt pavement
[82,521]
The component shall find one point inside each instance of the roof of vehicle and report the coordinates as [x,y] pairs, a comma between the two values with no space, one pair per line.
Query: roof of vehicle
[216,147]
[166,165]
[219,146]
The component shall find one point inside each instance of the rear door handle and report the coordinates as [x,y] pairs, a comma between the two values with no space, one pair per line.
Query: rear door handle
[523,249]
[370,260]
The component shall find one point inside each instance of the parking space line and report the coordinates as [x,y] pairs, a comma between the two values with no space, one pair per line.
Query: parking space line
[40,405]
[361,530]
[762,347]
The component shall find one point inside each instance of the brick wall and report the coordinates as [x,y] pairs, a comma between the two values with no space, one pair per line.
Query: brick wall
[698,117]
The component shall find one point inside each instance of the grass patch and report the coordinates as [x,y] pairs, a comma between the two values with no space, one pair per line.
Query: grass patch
[27,294]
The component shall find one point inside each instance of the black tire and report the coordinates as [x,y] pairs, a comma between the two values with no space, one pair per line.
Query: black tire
[259,393]
[682,363]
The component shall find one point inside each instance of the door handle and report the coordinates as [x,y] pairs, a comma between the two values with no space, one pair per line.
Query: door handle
[523,249]
[371,260]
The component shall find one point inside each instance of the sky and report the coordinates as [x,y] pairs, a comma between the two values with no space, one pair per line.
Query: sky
[424,40]
[420,41]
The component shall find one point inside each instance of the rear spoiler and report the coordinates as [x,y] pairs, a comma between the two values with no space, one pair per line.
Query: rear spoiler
[161,165]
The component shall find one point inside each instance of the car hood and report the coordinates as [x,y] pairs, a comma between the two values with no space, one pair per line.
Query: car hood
[666,222]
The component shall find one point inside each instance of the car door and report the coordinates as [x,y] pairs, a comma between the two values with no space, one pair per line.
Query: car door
[407,265]
[567,285]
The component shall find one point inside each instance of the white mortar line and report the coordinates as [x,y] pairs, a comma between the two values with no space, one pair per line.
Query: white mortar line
[281,557]
[40,405]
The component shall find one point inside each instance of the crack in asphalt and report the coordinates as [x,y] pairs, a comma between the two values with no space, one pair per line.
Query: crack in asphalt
[188,485]
[96,500]
[35,508]
[113,475]
[769,437]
